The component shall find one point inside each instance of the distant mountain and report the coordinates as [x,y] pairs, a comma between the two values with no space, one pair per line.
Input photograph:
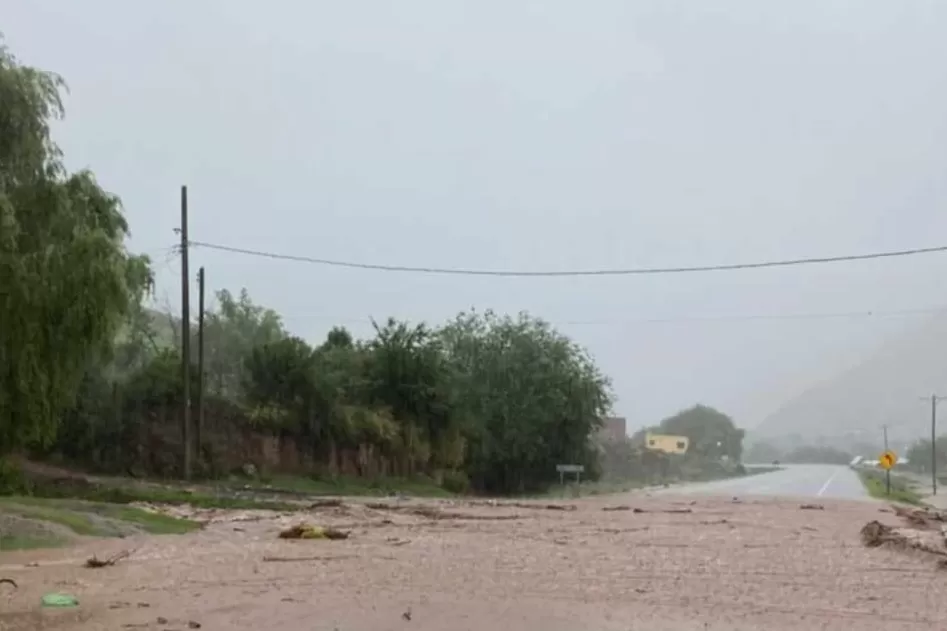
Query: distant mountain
[883,389]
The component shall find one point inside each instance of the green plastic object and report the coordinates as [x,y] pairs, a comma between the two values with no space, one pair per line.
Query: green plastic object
[60,600]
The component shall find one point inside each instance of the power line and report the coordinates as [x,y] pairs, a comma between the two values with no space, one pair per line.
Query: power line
[685,319]
[594,272]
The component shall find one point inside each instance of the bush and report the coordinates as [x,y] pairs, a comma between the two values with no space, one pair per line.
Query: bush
[12,480]
[456,482]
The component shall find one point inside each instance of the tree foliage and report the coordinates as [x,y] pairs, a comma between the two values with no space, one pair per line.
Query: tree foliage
[232,331]
[759,452]
[712,434]
[66,281]
[918,456]
[531,398]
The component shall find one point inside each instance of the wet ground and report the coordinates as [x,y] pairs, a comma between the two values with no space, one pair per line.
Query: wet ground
[795,480]
[657,563]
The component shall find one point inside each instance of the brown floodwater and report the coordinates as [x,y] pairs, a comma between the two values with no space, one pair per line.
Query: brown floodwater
[674,564]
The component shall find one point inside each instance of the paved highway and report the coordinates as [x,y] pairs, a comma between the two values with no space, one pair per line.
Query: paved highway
[811,481]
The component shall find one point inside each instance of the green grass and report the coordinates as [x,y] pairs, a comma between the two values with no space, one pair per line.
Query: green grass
[76,514]
[277,493]
[901,491]
[17,542]
[81,518]
[160,495]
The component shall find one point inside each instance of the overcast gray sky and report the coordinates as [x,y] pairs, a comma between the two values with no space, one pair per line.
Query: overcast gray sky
[534,135]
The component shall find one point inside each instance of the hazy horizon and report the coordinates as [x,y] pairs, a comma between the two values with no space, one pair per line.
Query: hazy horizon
[534,136]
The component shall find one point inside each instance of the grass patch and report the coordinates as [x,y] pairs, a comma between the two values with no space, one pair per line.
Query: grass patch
[276,493]
[159,495]
[901,491]
[78,515]
[28,515]
[23,542]
[153,523]
[79,523]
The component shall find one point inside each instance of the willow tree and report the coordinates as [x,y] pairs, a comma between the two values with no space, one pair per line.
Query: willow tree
[66,279]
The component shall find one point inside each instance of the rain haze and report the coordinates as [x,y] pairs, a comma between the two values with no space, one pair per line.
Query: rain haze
[535,136]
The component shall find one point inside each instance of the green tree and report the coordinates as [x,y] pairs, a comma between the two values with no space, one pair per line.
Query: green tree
[918,456]
[67,282]
[528,398]
[712,434]
[762,452]
[407,375]
[278,380]
[231,332]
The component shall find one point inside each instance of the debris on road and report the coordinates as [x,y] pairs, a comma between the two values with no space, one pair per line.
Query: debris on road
[812,507]
[436,513]
[921,517]
[308,531]
[874,534]
[272,559]
[96,562]
[326,503]
[564,507]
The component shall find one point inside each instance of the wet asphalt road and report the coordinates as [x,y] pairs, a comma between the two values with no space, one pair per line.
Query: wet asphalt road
[804,481]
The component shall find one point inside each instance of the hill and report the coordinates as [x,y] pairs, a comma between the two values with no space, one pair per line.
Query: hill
[883,389]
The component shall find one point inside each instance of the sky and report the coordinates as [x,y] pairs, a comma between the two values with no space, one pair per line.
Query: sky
[534,135]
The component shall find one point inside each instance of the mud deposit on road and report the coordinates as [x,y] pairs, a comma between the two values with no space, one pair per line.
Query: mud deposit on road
[597,564]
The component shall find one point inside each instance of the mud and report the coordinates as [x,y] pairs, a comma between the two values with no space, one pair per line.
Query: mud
[662,564]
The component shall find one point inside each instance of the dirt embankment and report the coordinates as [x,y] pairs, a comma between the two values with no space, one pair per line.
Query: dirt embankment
[635,562]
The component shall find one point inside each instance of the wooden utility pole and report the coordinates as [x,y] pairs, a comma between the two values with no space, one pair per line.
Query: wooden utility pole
[200,364]
[884,428]
[934,400]
[185,339]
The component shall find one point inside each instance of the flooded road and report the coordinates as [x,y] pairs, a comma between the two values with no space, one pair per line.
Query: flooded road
[623,562]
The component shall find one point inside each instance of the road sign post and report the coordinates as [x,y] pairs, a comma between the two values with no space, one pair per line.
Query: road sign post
[563,469]
[886,461]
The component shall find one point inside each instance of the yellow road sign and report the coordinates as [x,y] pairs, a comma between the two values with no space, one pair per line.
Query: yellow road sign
[887,460]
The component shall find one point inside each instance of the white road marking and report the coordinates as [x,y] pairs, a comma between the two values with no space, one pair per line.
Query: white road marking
[826,485]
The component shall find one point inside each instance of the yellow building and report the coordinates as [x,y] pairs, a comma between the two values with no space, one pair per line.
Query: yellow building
[667,443]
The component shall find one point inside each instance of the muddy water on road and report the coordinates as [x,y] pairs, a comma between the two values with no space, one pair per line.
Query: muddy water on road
[674,563]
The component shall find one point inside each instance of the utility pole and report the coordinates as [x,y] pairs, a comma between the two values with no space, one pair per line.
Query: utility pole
[934,399]
[884,428]
[200,363]
[185,339]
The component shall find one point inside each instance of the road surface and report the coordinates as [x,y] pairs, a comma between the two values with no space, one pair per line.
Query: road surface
[812,481]
[705,563]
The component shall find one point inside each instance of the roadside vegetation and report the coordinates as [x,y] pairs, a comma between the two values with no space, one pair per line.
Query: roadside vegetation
[92,398]
[901,489]
[29,522]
